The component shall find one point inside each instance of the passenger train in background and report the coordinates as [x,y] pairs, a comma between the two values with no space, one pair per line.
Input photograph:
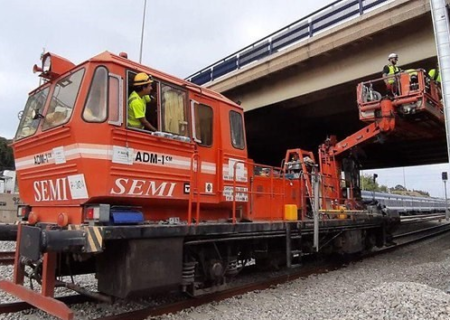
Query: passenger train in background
[404,204]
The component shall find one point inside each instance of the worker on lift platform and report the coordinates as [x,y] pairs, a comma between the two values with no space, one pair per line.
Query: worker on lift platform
[435,75]
[389,72]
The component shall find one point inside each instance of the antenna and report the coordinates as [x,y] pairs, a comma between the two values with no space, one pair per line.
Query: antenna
[142,32]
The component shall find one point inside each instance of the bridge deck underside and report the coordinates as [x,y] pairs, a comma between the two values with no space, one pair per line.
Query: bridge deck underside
[305,121]
[274,129]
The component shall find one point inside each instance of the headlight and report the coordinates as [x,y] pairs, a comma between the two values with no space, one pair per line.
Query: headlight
[47,63]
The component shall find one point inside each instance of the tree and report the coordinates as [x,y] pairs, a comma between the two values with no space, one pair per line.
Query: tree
[6,155]
[370,184]
[423,193]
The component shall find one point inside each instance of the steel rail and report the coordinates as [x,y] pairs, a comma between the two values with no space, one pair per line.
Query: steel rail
[262,285]
[18,306]
[7,257]
[439,229]
[293,274]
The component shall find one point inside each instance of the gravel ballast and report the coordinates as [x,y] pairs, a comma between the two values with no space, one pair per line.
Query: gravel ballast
[409,284]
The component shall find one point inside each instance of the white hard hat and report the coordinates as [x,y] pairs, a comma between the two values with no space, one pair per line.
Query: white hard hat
[392,55]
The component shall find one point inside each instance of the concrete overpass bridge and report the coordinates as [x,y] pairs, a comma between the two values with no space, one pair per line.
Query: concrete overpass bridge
[298,85]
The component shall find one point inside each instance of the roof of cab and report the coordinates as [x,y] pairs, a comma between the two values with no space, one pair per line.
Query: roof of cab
[107,56]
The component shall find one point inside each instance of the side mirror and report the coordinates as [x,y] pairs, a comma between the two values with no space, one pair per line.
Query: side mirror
[36,115]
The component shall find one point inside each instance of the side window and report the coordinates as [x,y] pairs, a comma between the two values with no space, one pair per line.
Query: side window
[173,109]
[30,119]
[95,109]
[203,116]
[237,130]
[115,100]
[63,100]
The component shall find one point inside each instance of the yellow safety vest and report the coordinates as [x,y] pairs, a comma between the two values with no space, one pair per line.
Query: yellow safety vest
[392,70]
[432,73]
[136,110]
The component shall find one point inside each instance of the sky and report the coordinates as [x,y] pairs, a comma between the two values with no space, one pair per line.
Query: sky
[424,178]
[180,38]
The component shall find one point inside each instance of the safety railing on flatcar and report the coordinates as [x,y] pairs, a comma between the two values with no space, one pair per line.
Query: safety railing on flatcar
[273,173]
[331,205]
[327,17]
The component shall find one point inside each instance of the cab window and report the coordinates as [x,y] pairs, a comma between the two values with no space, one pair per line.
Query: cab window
[114,98]
[63,100]
[203,116]
[31,116]
[173,110]
[237,130]
[95,109]
[151,108]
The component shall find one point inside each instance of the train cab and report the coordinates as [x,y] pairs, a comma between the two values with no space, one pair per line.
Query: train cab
[75,148]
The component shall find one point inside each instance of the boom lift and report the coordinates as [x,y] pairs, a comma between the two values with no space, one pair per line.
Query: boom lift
[414,110]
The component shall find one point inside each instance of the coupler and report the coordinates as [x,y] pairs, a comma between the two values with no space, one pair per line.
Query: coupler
[35,244]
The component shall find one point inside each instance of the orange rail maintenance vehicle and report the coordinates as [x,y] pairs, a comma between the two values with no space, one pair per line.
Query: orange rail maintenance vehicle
[181,207]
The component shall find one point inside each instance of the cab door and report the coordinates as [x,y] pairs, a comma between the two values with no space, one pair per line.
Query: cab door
[235,165]
[205,123]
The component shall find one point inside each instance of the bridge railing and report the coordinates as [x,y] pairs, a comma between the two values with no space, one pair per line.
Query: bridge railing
[326,17]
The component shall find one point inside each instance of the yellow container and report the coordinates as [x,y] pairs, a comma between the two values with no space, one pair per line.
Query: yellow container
[343,215]
[290,212]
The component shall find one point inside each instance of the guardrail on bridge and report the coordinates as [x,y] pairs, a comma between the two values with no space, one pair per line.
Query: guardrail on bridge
[305,28]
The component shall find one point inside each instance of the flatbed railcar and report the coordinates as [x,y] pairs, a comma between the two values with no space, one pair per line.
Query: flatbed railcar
[182,207]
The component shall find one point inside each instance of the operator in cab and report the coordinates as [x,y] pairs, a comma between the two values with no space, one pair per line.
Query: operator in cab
[137,102]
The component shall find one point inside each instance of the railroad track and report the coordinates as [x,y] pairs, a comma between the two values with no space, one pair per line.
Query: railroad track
[422,218]
[7,257]
[408,238]
[13,307]
[421,234]
[402,240]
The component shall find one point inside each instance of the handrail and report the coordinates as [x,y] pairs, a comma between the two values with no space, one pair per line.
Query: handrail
[332,207]
[297,31]
[195,158]
[407,91]
[249,163]
[234,190]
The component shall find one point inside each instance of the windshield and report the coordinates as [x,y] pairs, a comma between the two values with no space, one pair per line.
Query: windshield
[63,100]
[31,115]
